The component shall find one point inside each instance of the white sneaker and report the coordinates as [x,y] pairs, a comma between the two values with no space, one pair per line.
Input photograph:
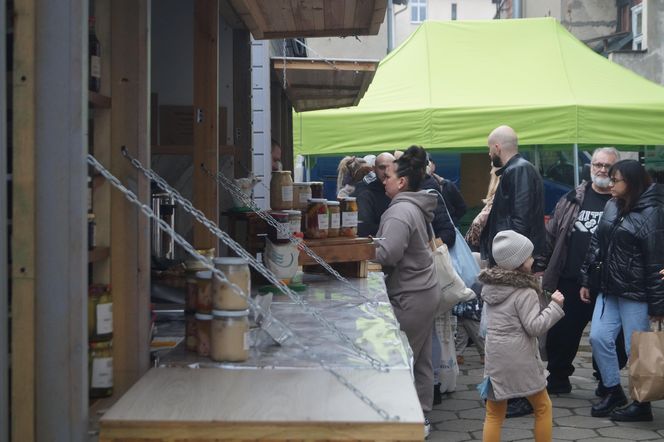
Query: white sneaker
[427,427]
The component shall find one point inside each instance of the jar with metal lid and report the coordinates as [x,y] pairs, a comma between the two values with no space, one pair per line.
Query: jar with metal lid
[194,265]
[301,195]
[203,327]
[281,190]
[100,313]
[279,236]
[237,272]
[191,335]
[316,189]
[294,220]
[92,231]
[100,369]
[204,295]
[317,219]
[230,336]
[348,217]
[335,218]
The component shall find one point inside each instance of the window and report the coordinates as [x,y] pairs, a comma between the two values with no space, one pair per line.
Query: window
[638,34]
[418,11]
[454,11]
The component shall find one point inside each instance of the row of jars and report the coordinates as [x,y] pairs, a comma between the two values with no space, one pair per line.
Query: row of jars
[286,195]
[216,318]
[100,334]
[321,219]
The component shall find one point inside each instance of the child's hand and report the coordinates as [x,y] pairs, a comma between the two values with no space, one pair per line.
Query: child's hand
[558,298]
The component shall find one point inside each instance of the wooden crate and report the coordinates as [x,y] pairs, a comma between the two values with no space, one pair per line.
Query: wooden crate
[348,256]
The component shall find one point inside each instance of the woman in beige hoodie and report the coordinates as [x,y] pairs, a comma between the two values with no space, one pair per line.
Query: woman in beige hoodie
[406,257]
[514,320]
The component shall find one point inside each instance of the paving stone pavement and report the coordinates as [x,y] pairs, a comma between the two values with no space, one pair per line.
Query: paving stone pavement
[461,415]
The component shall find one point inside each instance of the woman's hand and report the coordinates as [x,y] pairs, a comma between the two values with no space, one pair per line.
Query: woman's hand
[558,298]
[661,272]
[584,294]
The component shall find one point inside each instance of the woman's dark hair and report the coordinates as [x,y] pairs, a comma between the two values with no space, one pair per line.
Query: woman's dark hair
[412,165]
[636,180]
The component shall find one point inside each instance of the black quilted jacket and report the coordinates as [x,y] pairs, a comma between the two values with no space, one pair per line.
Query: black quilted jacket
[631,249]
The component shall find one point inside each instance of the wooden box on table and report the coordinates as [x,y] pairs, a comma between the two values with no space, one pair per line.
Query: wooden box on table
[348,256]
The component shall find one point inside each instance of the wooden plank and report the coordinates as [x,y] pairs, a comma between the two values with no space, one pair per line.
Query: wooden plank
[98,254]
[99,101]
[130,231]
[363,14]
[339,250]
[295,64]
[349,13]
[258,17]
[185,404]
[23,224]
[318,8]
[303,14]
[380,8]
[334,15]
[206,134]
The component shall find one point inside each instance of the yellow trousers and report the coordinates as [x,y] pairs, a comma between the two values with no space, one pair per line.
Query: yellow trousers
[495,415]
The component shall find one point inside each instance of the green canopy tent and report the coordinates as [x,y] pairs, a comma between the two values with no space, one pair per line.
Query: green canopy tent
[451,83]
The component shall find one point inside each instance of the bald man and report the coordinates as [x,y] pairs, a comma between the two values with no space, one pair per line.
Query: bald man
[371,199]
[518,205]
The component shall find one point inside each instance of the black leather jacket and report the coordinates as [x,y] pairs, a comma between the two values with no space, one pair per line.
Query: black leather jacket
[371,204]
[518,205]
[631,249]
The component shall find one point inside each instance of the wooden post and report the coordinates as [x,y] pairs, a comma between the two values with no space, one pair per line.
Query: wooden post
[206,116]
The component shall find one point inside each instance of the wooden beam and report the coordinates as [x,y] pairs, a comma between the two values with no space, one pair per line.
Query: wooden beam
[321,65]
[257,15]
[23,229]
[206,116]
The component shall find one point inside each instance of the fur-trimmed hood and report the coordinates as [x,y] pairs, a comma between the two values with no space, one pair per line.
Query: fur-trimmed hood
[499,284]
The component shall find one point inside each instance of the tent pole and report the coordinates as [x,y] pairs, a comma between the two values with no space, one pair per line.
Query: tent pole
[576,164]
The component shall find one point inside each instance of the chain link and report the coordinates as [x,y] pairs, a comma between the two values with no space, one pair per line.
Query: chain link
[289,335]
[237,248]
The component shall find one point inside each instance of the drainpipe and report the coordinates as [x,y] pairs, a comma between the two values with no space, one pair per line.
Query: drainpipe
[516,9]
[390,26]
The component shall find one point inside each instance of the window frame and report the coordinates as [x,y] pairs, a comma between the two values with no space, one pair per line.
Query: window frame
[415,9]
[640,38]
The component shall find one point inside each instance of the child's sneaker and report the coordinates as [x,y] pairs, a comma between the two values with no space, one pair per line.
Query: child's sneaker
[427,427]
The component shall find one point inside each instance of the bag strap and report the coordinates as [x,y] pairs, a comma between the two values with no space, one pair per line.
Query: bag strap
[432,235]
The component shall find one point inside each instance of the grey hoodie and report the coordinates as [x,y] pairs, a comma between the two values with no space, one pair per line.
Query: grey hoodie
[405,253]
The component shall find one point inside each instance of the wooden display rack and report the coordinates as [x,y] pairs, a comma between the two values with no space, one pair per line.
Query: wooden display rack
[349,256]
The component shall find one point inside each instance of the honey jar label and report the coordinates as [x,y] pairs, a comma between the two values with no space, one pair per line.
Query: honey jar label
[102,373]
[349,219]
[323,222]
[287,193]
[335,221]
[295,225]
[104,319]
[245,341]
[304,197]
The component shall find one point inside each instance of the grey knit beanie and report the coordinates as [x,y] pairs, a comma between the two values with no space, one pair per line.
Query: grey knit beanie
[511,249]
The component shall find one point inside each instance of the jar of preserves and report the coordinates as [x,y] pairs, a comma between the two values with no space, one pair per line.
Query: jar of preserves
[279,236]
[237,272]
[281,190]
[317,219]
[204,295]
[203,325]
[294,220]
[191,293]
[348,217]
[335,218]
[100,369]
[191,335]
[301,195]
[316,189]
[230,336]
[194,265]
[100,313]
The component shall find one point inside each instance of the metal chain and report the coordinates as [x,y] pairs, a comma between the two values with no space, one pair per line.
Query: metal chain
[290,336]
[237,248]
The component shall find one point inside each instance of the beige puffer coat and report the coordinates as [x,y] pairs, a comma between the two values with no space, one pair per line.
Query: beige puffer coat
[514,321]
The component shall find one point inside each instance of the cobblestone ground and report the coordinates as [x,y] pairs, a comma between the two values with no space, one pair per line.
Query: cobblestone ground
[461,415]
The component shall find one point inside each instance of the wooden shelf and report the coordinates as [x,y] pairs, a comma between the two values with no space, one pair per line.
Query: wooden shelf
[98,254]
[97,180]
[99,101]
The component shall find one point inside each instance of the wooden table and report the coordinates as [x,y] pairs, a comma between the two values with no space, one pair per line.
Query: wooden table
[283,404]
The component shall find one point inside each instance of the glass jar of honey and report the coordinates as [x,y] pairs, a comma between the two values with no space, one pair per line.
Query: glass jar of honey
[100,369]
[281,190]
[230,336]
[237,272]
[301,195]
[348,217]
[335,219]
[100,313]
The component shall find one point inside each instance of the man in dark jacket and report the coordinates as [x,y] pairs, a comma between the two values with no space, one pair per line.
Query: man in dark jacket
[453,198]
[519,201]
[568,234]
[518,205]
[371,199]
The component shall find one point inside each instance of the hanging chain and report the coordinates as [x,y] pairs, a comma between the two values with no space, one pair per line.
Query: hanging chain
[288,334]
[237,248]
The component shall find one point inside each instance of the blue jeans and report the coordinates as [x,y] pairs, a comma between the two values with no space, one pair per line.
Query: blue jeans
[612,312]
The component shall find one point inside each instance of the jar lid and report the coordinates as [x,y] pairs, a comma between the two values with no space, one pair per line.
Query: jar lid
[230,313]
[293,212]
[316,182]
[203,316]
[229,260]
[333,203]
[206,274]
[317,200]
[348,198]
[101,345]
[281,171]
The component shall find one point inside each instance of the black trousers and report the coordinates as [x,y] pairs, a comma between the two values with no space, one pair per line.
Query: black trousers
[562,341]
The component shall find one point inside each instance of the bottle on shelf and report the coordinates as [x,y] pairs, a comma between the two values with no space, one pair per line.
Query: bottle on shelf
[94,49]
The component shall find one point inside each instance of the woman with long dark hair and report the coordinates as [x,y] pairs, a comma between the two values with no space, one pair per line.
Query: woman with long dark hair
[404,252]
[626,254]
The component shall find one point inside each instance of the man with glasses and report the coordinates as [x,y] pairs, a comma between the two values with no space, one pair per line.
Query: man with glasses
[568,234]
[372,201]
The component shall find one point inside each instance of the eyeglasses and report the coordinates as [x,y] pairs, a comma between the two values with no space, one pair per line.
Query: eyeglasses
[613,181]
[606,166]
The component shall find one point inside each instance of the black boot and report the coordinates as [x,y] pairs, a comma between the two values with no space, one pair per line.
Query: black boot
[601,390]
[518,407]
[634,412]
[437,395]
[614,398]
